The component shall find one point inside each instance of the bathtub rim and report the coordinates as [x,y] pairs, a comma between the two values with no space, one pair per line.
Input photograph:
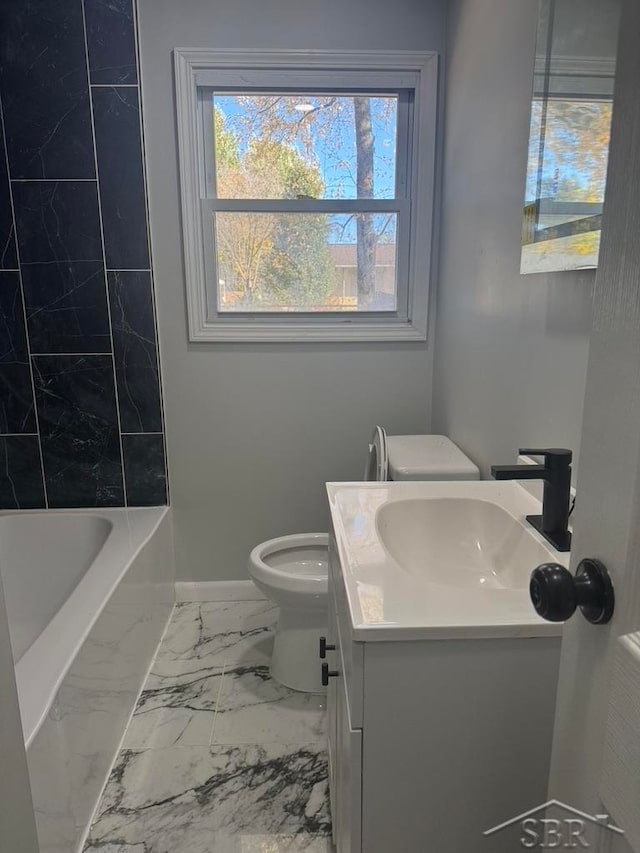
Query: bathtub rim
[39,672]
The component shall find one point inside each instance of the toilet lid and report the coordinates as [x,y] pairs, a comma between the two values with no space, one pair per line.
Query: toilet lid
[377,467]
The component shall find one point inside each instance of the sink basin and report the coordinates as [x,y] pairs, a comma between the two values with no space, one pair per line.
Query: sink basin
[437,560]
[460,542]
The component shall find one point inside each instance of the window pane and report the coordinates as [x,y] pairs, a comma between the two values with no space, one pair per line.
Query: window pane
[306,262]
[566,178]
[305,145]
[576,147]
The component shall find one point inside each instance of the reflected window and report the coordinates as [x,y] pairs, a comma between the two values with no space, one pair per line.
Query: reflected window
[569,136]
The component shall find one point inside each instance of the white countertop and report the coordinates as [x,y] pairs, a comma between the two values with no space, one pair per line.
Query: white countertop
[387,603]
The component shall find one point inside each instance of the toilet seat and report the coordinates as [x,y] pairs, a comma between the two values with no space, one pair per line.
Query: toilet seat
[377,467]
[282,564]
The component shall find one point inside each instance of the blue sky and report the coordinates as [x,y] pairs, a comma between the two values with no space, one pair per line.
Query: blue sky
[335,157]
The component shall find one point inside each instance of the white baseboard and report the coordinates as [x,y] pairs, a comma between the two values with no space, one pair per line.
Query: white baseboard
[217,591]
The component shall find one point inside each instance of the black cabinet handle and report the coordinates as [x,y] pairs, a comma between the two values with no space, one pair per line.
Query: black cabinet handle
[556,595]
[325,647]
[327,674]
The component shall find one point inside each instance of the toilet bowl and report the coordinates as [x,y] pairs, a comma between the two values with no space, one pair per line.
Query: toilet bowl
[292,571]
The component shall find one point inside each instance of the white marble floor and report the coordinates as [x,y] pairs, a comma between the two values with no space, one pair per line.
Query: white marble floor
[218,758]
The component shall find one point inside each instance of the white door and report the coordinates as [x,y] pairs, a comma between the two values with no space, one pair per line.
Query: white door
[607,516]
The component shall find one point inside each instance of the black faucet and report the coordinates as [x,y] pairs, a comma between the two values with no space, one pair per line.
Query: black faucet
[556,473]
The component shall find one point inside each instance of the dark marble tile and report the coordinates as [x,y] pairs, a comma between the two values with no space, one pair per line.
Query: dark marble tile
[43,80]
[13,339]
[111,41]
[16,399]
[122,191]
[20,473]
[134,344]
[57,221]
[144,470]
[8,257]
[67,307]
[75,396]
[16,392]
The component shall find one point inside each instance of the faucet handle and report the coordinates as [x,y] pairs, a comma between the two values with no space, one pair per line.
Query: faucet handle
[554,457]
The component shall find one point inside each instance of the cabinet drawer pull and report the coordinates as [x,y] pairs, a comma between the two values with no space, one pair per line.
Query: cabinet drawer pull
[327,674]
[325,647]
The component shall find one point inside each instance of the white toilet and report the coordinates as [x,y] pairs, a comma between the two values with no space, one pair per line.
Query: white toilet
[293,570]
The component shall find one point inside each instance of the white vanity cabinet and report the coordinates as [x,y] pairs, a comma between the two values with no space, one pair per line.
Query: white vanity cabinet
[434,741]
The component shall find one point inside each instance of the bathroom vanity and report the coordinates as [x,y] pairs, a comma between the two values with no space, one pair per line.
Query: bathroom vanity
[442,678]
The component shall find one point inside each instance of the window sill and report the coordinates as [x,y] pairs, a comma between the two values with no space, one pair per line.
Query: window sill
[274,332]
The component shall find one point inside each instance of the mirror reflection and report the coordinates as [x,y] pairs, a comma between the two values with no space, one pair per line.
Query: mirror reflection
[571,113]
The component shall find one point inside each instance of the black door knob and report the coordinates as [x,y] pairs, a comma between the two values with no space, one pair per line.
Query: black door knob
[325,647]
[327,674]
[556,594]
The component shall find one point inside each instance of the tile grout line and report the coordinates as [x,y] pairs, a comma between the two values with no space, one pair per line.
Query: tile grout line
[24,311]
[66,354]
[85,835]
[52,181]
[215,715]
[147,189]
[104,255]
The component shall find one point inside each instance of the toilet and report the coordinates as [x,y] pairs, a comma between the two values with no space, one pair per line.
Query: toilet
[292,571]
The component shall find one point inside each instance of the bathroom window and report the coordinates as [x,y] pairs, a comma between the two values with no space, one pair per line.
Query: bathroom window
[307,193]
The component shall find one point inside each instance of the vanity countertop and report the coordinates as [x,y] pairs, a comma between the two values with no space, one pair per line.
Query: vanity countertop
[438,560]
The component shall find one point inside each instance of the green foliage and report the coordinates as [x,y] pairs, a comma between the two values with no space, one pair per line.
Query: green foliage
[275,259]
[227,154]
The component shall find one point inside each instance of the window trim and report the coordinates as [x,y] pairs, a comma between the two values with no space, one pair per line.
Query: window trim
[405,69]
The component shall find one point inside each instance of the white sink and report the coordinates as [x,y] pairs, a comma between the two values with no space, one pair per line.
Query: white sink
[461,542]
[438,559]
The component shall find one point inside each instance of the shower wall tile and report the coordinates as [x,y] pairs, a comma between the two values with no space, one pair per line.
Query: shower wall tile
[43,82]
[144,468]
[80,394]
[120,171]
[16,399]
[111,41]
[134,343]
[75,397]
[66,307]
[8,256]
[13,337]
[16,393]
[21,484]
[57,221]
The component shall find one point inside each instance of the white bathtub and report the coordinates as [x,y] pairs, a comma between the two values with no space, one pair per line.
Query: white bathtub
[88,594]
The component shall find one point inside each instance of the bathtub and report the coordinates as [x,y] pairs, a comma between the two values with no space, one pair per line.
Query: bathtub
[88,595]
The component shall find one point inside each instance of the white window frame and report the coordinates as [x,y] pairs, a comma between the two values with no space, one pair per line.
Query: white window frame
[417,71]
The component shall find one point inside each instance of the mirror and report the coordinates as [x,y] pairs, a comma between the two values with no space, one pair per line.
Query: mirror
[569,134]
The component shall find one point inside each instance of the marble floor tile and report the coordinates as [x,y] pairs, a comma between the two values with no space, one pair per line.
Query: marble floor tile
[301,843]
[253,708]
[215,801]
[280,844]
[221,632]
[260,787]
[176,707]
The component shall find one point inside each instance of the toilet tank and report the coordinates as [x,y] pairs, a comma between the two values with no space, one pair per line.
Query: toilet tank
[428,457]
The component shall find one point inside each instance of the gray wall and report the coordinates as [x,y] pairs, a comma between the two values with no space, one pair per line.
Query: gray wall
[254,431]
[511,350]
